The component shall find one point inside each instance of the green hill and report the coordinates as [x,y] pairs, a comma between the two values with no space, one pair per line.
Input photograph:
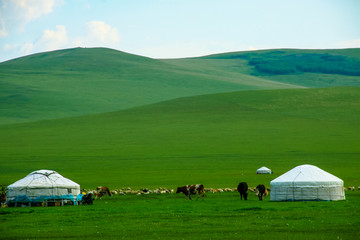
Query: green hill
[214,139]
[81,81]
[309,68]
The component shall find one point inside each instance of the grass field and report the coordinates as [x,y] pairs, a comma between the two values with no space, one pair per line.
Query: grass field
[212,120]
[170,216]
[216,140]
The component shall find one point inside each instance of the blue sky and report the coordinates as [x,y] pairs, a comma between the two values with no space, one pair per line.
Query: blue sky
[176,28]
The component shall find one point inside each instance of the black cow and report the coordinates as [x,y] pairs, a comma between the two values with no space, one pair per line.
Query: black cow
[87,199]
[261,191]
[2,196]
[242,188]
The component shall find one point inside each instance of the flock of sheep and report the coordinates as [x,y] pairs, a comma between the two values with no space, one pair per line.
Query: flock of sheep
[162,190]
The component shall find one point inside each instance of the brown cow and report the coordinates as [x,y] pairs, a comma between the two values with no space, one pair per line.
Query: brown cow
[188,190]
[101,191]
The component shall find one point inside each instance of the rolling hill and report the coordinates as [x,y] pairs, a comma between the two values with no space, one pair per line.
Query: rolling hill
[75,82]
[79,81]
[215,139]
[307,68]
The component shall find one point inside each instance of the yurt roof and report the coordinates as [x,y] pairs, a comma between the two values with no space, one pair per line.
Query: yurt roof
[44,179]
[306,173]
[264,168]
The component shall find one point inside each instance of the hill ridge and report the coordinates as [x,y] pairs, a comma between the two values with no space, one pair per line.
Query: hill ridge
[81,81]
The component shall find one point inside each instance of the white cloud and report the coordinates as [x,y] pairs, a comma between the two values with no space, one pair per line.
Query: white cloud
[3,32]
[354,43]
[18,49]
[97,34]
[251,48]
[15,14]
[52,40]
[100,32]
[9,47]
[79,42]
[26,48]
[32,9]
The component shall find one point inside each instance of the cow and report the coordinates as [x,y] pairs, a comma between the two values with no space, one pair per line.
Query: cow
[188,190]
[243,188]
[101,191]
[87,199]
[261,191]
[2,196]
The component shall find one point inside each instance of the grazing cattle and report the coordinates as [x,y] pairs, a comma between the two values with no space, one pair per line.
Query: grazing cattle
[101,191]
[188,190]
[2,196]
[261,191]
[352,188]
[87,199]
[243,188]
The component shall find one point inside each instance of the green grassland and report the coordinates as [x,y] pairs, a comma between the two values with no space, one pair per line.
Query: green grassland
[217,140]
[103,117]
[170,216]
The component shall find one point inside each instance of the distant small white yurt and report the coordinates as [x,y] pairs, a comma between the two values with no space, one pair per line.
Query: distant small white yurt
[307,183]
[263,170]
[43,184]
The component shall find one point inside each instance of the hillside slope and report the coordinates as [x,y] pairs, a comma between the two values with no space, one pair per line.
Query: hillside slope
[309,68]
[213,139]
[81,81]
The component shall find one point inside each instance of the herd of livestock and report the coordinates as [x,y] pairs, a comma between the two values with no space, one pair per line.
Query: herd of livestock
[187,190]
[198,189]
[87,196]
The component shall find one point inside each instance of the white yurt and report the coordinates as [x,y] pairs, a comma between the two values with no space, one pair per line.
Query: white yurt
[42,186]
[307,183]
[263,170]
